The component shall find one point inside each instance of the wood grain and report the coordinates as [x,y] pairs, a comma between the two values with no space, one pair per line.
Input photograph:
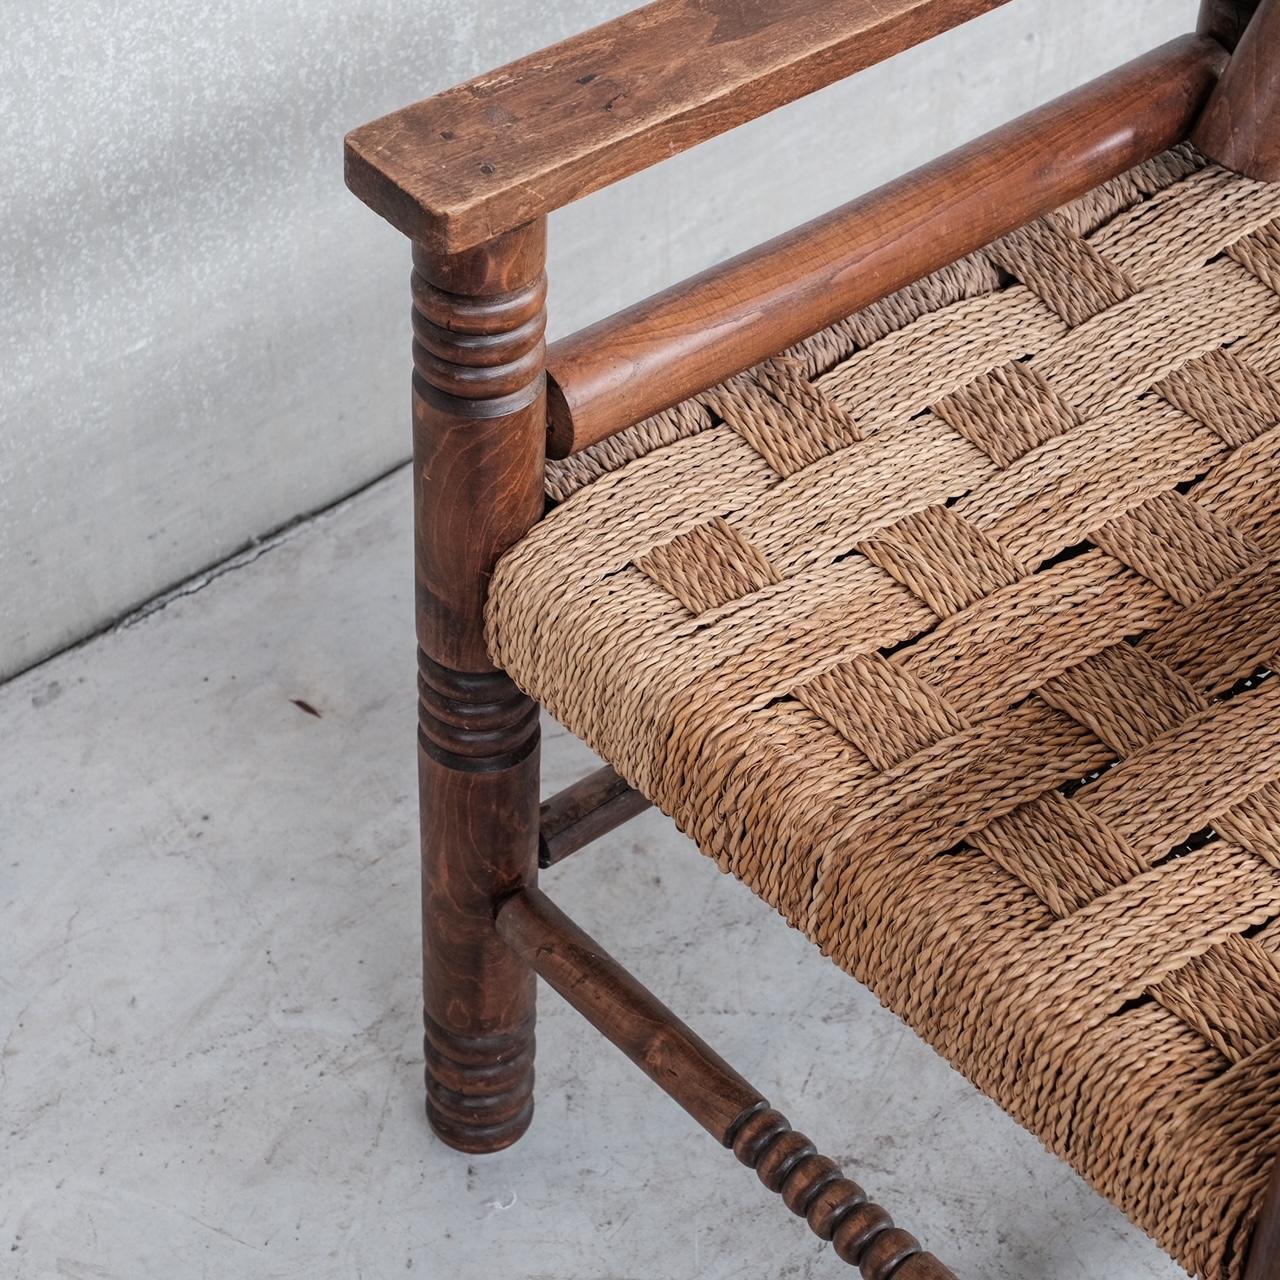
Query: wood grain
[1240,127]
[478,778]
[478,411]
[710,1090]
[477,160]
[673,345]
[1264,1251]
[1225,20]
[583,812]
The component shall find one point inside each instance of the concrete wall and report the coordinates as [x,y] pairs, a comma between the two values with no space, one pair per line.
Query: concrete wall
[203,336]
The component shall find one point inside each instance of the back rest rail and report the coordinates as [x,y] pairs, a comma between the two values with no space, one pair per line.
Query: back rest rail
[659,352]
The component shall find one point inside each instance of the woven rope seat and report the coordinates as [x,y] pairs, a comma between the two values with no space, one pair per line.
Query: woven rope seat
[948,631]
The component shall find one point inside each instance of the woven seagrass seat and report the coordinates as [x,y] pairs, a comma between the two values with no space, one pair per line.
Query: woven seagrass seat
[948,632]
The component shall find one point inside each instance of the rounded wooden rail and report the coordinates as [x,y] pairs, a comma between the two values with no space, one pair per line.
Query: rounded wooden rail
[571,819]
[664,350]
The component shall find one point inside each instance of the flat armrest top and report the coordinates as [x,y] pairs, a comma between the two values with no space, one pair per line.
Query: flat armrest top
[455,170]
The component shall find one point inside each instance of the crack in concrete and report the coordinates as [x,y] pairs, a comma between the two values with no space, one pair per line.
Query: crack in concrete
[193,586]
[254,550]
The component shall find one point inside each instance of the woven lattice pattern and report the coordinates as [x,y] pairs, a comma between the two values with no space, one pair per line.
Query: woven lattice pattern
[948,632]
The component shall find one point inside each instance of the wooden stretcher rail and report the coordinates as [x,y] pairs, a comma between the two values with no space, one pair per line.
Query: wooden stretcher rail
[664,350]
[485,157]
[579,814]
[710,1090]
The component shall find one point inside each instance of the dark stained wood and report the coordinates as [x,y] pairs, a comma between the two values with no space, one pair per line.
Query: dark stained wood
[710,1090]
[478,412]
[673,345]
[923,1266]
[617,1005]
[585,811]
[459,168]
[1225,20]
[478,777]
[1264,1253]
[1240,127]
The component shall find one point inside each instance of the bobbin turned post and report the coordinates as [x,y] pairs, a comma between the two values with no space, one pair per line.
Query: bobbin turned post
[478,443]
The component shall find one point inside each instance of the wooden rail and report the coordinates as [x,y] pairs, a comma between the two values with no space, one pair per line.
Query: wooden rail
[583,812]
[710,1090]
[680,342]
[511,146]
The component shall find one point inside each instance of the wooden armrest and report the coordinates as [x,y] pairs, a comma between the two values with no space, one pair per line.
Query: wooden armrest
[460,168]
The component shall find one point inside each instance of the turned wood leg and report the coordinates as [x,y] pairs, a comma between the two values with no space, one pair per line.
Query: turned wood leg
[479,438]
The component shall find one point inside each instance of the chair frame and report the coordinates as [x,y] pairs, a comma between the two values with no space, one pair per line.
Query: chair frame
[470,177]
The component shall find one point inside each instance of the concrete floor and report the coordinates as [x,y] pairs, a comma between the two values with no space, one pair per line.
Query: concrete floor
[209,992]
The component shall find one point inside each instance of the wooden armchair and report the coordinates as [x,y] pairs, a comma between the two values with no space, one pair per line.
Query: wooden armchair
[923,564]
